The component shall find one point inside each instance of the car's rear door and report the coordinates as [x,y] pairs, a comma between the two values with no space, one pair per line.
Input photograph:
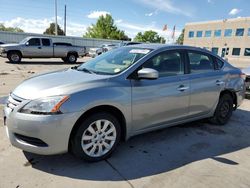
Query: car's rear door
[206,82]
[166,99]
[46,48]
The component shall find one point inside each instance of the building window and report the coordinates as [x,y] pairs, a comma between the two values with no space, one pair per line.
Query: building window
[208,33]
[236,51]
[248,34]
[199,34]
[239,32]
[217,33]
[247,52]
[215,50]
[191,34]
[228,32]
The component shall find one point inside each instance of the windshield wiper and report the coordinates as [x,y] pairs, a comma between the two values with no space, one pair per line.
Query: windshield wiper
[86,70]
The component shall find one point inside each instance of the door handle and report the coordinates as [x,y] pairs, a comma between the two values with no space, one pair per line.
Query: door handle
[182,88]
[219,83]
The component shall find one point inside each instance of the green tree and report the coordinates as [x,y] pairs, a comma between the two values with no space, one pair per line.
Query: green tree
[181,37]
[51,30]
[149,36]
[105,29]
[10,29]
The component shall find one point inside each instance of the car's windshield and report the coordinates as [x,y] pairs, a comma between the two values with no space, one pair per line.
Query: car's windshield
[115,61]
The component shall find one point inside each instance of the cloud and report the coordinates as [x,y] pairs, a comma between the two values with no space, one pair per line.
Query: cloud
[166,6]
[152,13]
[39,25]
[132,29]
[149,14]
[209,1]
[97,14]
[118,21]
[234,11]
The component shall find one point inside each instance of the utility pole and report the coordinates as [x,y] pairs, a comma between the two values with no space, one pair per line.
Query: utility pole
[56,33]
[65,9]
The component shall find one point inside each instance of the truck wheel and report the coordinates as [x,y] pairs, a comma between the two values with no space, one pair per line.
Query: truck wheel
[223,110]
[14,57]
[96,138]
[71,58]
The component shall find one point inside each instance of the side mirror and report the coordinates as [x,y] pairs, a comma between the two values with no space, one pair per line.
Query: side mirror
[147,73]
[27,44]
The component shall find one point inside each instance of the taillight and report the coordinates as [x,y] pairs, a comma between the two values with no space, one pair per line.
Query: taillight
[243,76]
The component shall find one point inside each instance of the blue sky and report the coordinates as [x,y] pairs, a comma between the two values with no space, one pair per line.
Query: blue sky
[132,16]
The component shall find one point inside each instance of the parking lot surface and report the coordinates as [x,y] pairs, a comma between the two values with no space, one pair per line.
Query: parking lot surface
[194,155]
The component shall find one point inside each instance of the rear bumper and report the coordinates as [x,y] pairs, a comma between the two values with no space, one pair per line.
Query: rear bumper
[248,88]
[240,97]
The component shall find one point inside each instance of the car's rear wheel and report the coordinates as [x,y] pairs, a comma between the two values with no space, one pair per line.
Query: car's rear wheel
[96,138]
[71,58]
[14,57]
[223,110]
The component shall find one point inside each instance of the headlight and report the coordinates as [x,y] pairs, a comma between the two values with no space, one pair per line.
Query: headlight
[46,106]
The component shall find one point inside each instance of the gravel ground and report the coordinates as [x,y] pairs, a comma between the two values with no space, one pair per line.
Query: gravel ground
[194,155]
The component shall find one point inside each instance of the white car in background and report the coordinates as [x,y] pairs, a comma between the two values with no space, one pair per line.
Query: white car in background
[93,52]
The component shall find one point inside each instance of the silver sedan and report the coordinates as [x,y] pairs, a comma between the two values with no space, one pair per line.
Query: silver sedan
[131,90]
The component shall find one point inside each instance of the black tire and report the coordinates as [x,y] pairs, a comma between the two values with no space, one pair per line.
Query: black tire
[76,139]
[14,57]
[223,110]
[71,58]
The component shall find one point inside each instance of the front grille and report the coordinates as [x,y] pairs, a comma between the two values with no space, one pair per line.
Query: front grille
[31,140]
[13,101]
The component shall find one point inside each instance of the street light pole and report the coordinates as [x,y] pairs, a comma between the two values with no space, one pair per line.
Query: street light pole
[56,33]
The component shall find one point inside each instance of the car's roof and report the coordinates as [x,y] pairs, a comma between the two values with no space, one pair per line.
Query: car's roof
[159,46]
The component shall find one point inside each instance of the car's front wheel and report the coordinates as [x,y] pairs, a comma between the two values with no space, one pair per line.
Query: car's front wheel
[223,110]
[14,57]
[96,138]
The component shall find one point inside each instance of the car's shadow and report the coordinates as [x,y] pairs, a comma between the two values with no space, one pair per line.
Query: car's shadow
[156,152]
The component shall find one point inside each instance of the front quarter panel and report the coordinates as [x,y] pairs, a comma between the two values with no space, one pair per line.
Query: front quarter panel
[116,94]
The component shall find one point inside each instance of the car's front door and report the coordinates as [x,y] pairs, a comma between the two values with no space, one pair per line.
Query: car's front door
[32,48]
[164,100]
[205,83]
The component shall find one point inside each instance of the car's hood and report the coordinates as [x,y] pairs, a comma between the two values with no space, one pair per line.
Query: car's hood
[57,83]
[246,71]
[9,45]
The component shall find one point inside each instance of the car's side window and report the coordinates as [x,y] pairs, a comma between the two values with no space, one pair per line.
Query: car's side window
[34,42]
[166,63]
[218,64]
[46,42]
[200,63]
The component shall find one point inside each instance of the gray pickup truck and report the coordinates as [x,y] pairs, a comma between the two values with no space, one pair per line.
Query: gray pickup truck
[41,47]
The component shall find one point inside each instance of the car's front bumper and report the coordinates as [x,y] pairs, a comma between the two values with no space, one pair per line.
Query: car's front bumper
[25,131]
[3,54]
